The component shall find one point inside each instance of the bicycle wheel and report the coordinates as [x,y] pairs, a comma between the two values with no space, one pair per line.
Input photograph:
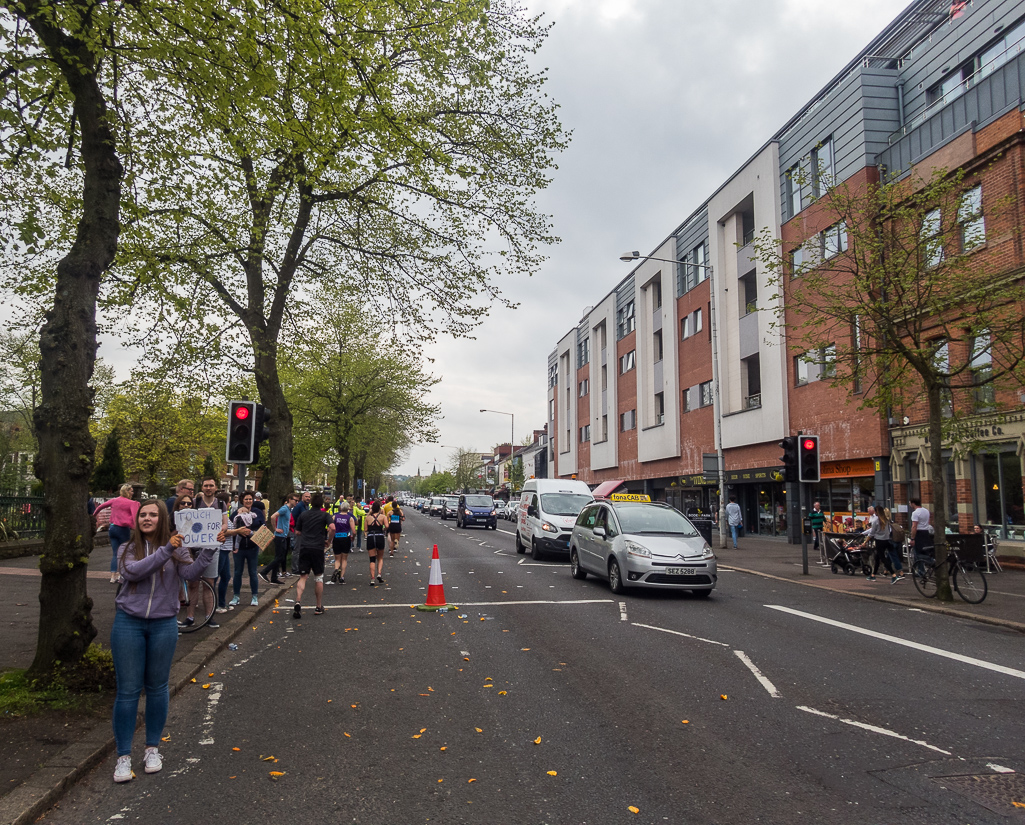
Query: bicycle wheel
[970,582]
[923,574]
[196,603]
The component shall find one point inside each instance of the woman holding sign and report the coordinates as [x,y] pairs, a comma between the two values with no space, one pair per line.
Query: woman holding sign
[247,521]
[145,629]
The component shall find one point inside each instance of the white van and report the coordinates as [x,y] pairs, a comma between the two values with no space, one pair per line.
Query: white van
[548,510]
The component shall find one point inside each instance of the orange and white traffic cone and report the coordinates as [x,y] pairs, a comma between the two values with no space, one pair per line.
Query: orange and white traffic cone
[435,587]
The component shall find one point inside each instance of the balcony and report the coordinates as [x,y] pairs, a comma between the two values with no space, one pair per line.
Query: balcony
[753,402]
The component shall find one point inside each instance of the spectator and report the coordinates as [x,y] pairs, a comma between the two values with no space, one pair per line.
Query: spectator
[246,522]
[818,523]
[145,630]
[224,559]
[123,510]
[734,519]
[281,524]
[183,486]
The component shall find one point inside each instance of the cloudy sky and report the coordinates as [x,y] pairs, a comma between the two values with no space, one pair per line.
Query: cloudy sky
[665,98]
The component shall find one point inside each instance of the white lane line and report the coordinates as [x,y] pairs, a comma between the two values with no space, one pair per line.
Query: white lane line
[946,654]
[769,686]
[212,699]
[525,563]
[873,729]
[622,611]
[408,606]
[678,633]
[998,768]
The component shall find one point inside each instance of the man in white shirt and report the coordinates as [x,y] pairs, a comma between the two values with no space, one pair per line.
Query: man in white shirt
[921,530]
[734,519]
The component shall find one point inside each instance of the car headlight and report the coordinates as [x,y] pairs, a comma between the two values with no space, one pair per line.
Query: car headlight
[637,550]
[549,528]
[493,512]
[707,552]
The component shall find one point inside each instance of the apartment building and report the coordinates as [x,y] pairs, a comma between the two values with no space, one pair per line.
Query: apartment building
[685,354]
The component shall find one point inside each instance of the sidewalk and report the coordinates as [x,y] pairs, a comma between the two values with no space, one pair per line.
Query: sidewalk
[775,558]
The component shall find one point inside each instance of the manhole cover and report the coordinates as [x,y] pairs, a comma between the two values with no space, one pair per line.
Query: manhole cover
[1002,793]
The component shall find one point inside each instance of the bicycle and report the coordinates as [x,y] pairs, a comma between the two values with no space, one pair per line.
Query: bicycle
[196,603]
[966,577]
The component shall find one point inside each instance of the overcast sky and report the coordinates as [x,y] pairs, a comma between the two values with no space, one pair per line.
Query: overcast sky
[666,99]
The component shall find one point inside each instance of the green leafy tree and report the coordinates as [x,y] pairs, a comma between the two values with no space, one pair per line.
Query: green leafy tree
[210,469]
[402,154]
[516,474]
[110,472]
[905,300]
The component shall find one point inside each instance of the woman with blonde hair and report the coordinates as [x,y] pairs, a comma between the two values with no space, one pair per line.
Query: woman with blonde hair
[122,519]
[145,631]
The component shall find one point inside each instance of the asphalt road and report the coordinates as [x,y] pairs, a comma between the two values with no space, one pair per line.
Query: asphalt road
[547,700]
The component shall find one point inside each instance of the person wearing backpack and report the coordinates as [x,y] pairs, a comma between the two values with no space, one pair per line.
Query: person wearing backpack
[897,539]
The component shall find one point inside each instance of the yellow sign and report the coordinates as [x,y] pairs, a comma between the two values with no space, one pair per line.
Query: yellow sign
[629,497]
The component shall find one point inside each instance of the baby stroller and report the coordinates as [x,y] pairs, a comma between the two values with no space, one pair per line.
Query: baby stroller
[848,553]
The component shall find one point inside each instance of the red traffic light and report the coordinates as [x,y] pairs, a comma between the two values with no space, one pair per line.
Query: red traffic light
[241,413]
[808,444]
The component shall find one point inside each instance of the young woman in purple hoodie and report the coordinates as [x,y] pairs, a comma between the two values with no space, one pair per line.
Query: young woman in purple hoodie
[145,632]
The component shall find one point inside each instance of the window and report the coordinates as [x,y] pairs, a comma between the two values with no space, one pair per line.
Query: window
[604,428]
[798,262]
[585,433]
[693,269]
[628,362]
[660,408]
[706,394]
[697,320]
[970,222]
[628,421]
[604,377]
[751,382]
[553,375]
[1003,50]
[690,324]
[834,240]
[626,321]
[981,366]
[551,409]
[815,365]
[656,293]
[795,189]
[656,345]
[748,293]
[828,368]
[932,241]
[584,386]
[822,167]
[802,370]
[688,404]
[583,352]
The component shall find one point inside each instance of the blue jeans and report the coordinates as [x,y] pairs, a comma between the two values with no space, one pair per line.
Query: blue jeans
[247,557]
[143,650]
[734,531]
[223,575]
[118,536]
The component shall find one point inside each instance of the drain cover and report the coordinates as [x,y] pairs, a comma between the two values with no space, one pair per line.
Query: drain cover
[1002,793]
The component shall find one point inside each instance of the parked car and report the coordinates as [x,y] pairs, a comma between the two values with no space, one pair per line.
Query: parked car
[434,508]
[476,509]
[641,544]
[548,511]
[512,510]
[449,507]
[500,504]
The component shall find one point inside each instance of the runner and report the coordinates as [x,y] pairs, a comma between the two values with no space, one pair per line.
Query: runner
[301,507]
[376,523]
[312,543]
[395,519]
[345,527]
[145,631]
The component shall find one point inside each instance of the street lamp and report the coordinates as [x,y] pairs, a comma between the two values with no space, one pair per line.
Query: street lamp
[716,404]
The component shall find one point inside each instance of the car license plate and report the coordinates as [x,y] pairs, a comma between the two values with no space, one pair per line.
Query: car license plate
[679,571]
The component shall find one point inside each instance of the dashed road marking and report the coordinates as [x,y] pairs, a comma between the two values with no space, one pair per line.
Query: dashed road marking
[873,729]
[680,633]
[765,683]
[622,611]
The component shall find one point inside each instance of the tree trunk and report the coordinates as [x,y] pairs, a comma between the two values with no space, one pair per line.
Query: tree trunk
[342,473]
[359,466]
[280,481]
[938,474]
[67,346]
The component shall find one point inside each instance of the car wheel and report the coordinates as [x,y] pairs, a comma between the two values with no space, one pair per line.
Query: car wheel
[519,544]
[495,525]
[575,569]
[535,550]
[616,578]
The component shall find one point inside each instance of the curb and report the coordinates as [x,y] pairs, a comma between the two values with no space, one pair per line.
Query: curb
[925,604]
[37,794]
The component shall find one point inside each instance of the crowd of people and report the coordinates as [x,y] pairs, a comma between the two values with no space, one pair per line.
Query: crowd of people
[148,564]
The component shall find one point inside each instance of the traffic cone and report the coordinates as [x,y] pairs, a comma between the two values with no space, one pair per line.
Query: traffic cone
[435,587]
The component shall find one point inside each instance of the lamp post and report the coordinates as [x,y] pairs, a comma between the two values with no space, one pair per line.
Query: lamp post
[512,441]
[716,403]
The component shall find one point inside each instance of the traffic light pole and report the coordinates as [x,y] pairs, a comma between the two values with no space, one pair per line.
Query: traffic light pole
[242,481]
[803,488]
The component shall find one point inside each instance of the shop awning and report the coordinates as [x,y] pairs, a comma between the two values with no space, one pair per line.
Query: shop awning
[606,488]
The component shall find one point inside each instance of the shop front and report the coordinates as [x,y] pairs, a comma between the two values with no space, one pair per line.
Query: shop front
[762,498]
[693,495]
[846,491]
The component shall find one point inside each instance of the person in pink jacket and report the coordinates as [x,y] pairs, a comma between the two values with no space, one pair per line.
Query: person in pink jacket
[122,520]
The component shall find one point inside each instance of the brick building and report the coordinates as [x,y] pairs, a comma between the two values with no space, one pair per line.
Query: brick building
[683,358]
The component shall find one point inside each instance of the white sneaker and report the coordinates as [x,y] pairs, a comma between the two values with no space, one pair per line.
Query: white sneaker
[233,602]
[255,602]
[123,770]
[154,761]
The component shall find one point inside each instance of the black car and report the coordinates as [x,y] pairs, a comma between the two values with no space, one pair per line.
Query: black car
[448,509]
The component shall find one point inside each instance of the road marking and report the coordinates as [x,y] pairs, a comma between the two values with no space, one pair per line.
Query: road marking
[213,698]
[998,768]
[525,563]
[622,611]
[371,607]
[769,686]
[946,654]
[873,729]
[678,633]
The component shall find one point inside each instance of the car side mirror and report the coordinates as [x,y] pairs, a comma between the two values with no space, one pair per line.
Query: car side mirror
[599,532]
